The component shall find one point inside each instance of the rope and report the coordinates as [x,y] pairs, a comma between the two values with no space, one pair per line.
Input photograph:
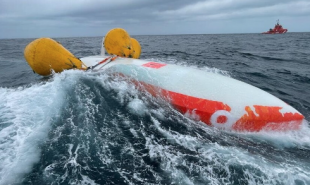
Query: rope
[106,60]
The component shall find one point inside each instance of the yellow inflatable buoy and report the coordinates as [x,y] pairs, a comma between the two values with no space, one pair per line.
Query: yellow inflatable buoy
[136,48]
[45,54]
[117,42]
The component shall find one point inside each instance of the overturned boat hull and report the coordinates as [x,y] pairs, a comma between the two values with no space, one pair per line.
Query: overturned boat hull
[214,99]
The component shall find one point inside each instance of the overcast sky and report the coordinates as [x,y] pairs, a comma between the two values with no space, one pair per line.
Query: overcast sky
[70,18]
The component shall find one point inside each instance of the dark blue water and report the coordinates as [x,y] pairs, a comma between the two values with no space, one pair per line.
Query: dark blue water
[78,128]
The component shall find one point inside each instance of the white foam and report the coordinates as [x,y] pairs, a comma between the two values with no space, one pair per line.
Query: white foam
[136,106]
[257,169]
[25,117]
[280,139]
[26,114]
[86,181]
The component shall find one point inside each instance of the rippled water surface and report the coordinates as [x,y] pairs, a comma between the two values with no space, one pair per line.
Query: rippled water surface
[81,128]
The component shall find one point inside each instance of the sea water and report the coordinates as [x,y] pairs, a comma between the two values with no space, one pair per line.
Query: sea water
[83,128]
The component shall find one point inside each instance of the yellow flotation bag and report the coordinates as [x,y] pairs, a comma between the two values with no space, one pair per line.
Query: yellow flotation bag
[136,48]
[45,54]
[117,42]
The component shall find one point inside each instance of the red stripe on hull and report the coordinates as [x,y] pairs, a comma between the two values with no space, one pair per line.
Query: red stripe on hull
[268,118]
[218,113]
[154,65]
[202,107]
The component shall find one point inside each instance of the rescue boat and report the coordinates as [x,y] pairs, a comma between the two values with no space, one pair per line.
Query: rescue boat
[278,29]
[214,99]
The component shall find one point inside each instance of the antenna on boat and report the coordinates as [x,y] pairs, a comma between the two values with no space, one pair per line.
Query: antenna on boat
[102,53]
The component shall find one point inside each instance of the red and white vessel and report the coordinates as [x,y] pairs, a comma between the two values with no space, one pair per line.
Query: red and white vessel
[278,29]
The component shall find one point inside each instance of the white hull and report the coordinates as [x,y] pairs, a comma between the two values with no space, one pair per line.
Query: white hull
[217,100]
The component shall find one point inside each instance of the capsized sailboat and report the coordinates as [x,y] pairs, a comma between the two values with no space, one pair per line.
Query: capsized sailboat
[214,99]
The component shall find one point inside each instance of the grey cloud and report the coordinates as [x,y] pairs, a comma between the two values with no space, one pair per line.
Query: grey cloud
[80,17]
[214,9]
